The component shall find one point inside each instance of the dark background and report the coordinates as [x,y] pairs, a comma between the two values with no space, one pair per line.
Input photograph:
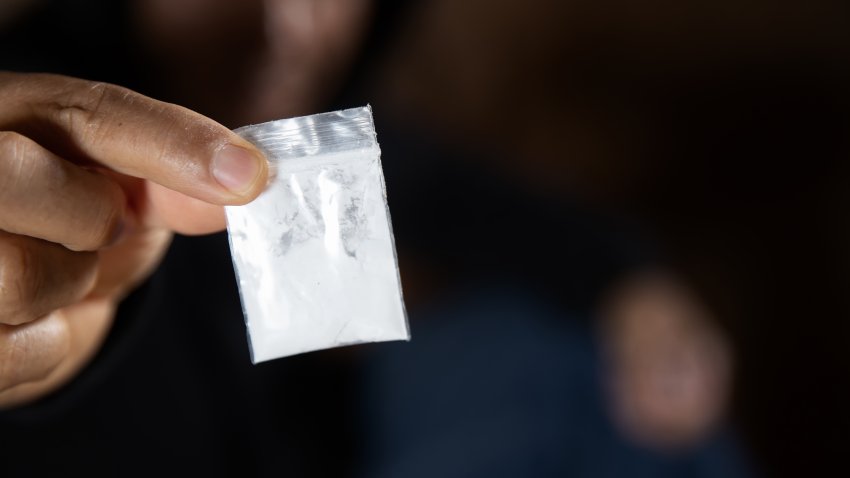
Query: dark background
[718,129]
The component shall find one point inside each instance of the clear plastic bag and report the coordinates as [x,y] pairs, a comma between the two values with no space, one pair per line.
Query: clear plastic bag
[314,254]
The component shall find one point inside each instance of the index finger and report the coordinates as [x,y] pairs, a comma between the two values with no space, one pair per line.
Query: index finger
[133,135]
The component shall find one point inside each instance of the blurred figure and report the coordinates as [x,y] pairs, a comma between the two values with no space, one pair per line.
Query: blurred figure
[720,128]
[259,60]
[509,94]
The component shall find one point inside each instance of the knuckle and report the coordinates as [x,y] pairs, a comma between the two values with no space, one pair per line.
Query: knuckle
[14,149]
[107,217]
[31,352]
[19,281]
[21,164]
[12,358]
[82,108]
[10,143]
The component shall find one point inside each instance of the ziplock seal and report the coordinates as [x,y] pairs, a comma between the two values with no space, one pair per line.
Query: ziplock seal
[323,133]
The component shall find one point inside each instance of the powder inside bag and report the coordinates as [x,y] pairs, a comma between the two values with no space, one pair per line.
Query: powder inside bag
[314,254]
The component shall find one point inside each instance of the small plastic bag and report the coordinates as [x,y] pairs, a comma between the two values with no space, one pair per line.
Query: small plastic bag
[314,254]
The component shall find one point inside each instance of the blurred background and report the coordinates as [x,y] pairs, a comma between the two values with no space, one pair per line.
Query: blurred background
[717,132]
[622,227]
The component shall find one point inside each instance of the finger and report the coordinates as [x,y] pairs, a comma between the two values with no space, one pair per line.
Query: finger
[134,135]
[29,352]
[87,324]
[37,277]
[184,214]
[46,197]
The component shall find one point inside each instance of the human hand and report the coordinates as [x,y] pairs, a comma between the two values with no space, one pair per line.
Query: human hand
[669,364]
[93,180]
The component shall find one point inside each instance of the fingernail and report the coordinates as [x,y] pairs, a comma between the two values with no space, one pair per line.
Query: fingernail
[235,168]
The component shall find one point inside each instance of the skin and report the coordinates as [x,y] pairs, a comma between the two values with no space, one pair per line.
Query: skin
[94,180]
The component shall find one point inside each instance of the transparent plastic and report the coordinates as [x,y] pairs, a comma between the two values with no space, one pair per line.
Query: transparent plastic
[314,254]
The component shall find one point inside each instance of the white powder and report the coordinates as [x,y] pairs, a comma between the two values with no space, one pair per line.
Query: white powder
[314,253]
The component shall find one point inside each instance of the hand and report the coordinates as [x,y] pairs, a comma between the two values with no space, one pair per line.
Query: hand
[93,180]
[669,363]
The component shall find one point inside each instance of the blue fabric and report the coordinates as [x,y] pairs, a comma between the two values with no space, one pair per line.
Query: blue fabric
[497,382]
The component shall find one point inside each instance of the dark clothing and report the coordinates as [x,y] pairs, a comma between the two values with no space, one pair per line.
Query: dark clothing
[173,391]
[500,379]
[501,383]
